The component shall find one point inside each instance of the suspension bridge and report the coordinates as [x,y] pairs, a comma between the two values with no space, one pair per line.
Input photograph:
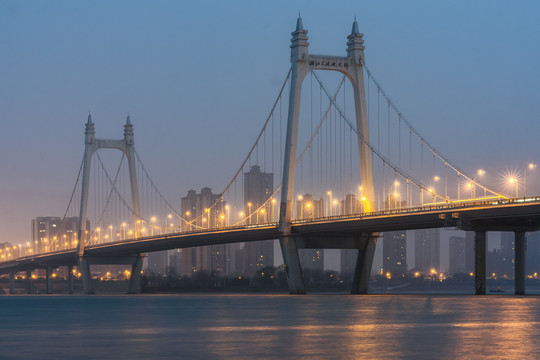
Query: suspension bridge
[352,166]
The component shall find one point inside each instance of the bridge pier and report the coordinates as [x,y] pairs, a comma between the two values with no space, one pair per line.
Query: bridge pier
[520,246]
[362,271]
[293,269]
[480,262]
[70,279]
[29,281]
[48,280]
[12,283]
[135,277]
[86,275]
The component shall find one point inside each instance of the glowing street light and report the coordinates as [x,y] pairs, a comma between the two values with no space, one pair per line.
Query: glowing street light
[531,166]
[512,181]
[329,193]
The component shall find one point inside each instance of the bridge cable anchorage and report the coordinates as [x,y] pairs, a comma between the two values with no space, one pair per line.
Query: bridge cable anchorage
[371,147]
[419,136]
[253,148]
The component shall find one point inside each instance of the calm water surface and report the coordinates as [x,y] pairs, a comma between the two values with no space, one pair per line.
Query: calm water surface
[269,327]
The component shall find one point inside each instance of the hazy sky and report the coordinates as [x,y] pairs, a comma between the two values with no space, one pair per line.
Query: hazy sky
[193,74]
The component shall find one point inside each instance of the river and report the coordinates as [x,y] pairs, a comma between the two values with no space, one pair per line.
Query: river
[221,326]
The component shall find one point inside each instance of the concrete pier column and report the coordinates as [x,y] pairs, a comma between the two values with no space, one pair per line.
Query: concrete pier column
[84,268]
[48,280]
[12,283]
[70,279]
[29,281]
[135,277]
[362,272]
[480,262]
[519,264]
[293,269]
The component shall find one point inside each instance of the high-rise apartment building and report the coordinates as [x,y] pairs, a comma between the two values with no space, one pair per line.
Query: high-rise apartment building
[309,208]
[507,253]
[469,252]
[427,250]
[395,253]
[203,211]
[54,233]
[458,255]
[259,209]
[533,253]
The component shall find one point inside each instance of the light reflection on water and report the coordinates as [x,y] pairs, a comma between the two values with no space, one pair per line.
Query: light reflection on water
[269,327]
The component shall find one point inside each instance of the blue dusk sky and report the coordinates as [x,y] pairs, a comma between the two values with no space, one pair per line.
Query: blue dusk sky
[199,77]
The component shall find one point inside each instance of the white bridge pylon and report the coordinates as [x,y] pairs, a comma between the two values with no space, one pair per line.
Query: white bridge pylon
[127,146]
[352,67]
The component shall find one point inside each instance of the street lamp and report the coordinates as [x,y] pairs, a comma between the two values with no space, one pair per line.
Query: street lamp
[531,166]
[329,193]
[513,182]
[153,220]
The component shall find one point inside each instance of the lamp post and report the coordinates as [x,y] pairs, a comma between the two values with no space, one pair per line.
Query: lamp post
[301,204]
[513,182]
[531,166]
[329,193]
[188,214]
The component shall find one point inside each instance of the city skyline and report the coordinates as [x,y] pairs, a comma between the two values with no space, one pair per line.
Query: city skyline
[30,198]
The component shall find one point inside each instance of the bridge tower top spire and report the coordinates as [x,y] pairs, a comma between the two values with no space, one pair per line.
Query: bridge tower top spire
[299,42]
[90,131]
[355,43]
[128,132]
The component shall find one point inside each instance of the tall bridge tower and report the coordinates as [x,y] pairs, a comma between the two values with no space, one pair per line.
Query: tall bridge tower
[352,67]
[127,146]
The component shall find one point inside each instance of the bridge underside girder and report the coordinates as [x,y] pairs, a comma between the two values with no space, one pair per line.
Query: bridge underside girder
[363,242]
[136,262]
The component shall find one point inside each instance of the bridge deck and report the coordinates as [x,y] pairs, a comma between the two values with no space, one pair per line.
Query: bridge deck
[501,215]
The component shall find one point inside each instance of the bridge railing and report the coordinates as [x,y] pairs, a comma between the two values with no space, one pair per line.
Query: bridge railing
[442,206]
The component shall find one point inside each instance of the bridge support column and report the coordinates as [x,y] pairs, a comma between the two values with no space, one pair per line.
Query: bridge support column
[135,277]
[293,269]
[86,275]
[29,281]
[70,279]
[362,272]
[480,262]
[12,283]
[520,247]
[48,280]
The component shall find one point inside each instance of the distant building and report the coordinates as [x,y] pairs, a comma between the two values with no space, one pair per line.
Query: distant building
[427,250]
[395,253]
[54,233]
[175,261]
[308,208]
[507,253]
[457,265]
[6,251]
[533,252]
[469,252]
[258,209]
[157,262]
[348,259]
[203,211]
